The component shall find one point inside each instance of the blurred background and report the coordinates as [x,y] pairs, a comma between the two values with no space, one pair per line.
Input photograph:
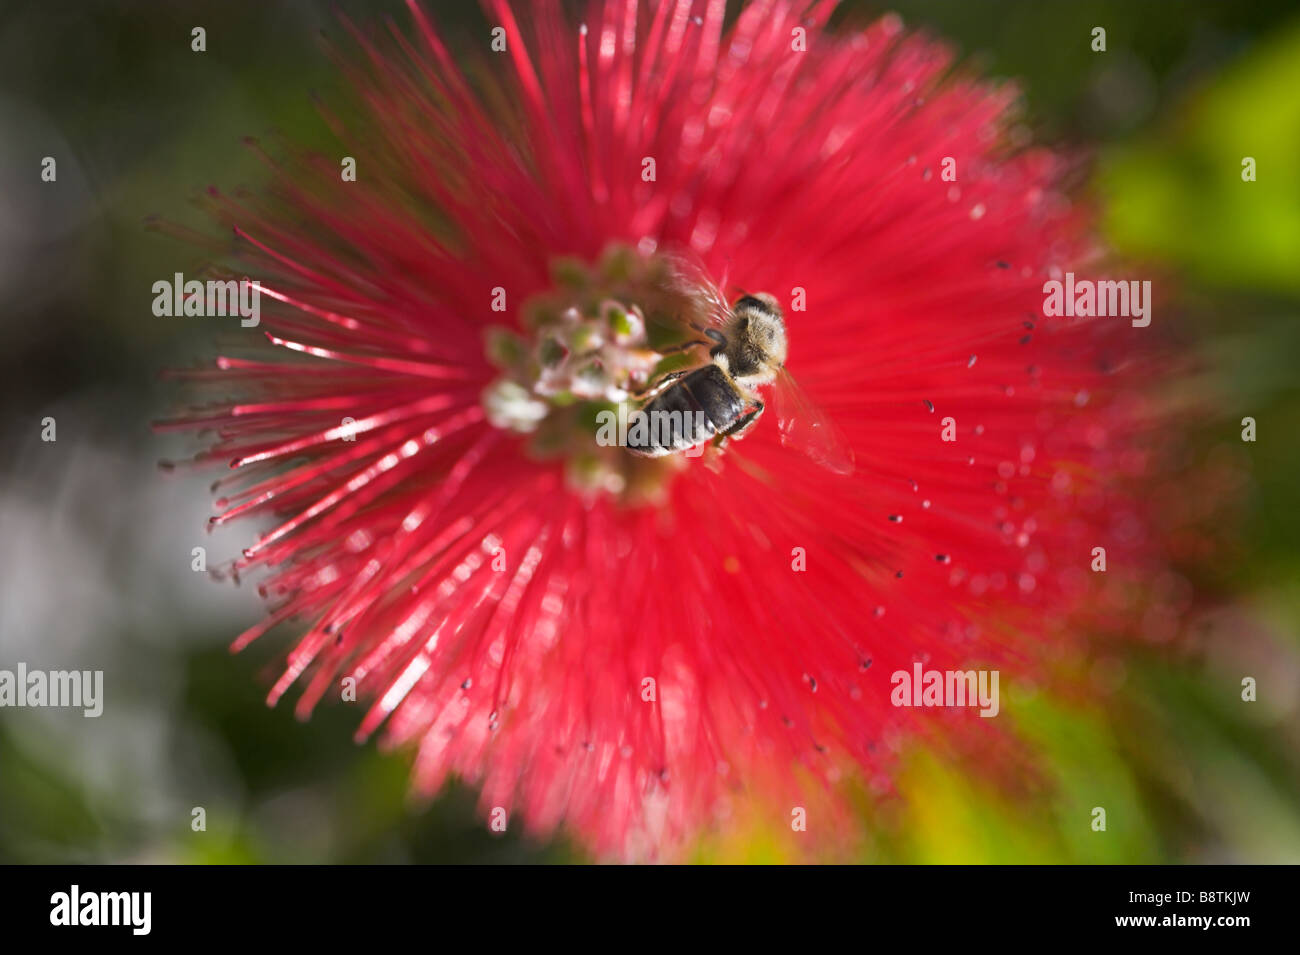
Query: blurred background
[95,541]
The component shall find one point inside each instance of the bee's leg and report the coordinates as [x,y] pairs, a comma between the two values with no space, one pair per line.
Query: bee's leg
[682,347]
[653,389]
[743,424]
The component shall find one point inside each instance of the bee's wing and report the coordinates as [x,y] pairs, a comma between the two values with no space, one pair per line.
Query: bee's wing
[806,427]
[692,279]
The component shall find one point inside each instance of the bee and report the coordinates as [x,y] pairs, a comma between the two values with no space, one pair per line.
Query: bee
[719,400]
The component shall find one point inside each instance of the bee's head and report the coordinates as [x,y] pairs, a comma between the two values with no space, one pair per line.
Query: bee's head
[759,323]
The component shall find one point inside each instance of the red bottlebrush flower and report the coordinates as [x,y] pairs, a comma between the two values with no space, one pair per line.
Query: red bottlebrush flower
[623,643]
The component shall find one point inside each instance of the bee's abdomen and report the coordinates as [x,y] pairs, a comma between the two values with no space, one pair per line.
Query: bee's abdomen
[687,413]
[717,395]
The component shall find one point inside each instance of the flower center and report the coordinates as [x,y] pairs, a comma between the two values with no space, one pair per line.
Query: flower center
[596,340]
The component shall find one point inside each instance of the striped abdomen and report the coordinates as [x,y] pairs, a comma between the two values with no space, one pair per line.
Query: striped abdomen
[686,413]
